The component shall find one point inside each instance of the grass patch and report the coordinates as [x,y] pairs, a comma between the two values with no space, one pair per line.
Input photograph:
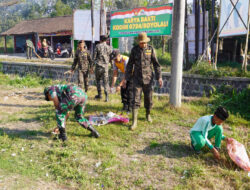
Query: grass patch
[29,80]
[226,69]
[155,156]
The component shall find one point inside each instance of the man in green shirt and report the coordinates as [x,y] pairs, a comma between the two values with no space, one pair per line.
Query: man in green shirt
[29,48]
[207,127]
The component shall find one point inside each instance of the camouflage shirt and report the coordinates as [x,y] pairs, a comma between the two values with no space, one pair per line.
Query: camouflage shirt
[29,43]
[102,55]
[141,63]
[68,95]
[83,59]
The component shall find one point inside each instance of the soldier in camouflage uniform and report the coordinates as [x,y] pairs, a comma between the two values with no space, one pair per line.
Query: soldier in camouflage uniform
[102,59]
[66,98]
[139,68]
[84,62]
[29,48]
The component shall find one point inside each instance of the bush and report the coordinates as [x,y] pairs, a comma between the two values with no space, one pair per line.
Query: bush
[237,103]
[203,68]
[165,59]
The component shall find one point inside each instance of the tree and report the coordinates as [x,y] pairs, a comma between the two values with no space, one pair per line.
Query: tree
[61,9]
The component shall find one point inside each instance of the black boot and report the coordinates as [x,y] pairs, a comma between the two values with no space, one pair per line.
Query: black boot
[93,131]
[99,96]
[106,97]
[62,134]
[125,107]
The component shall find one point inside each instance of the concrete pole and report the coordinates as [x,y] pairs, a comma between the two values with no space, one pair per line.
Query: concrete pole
[177,53]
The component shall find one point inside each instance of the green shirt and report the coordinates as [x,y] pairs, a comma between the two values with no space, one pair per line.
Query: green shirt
[203,125]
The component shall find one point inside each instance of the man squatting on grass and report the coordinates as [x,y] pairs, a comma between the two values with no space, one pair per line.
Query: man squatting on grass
[207,127]
[66,98]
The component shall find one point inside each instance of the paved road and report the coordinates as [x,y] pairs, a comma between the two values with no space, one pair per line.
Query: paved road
[23,56]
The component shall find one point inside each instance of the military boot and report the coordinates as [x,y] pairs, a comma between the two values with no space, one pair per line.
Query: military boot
[125,107]
[99,96]
[148,117]
[106,97]
[134,117]
[62,134]
[93,131]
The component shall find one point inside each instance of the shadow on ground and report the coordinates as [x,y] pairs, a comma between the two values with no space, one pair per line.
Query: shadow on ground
[19,105]
[24,134]
[168,149]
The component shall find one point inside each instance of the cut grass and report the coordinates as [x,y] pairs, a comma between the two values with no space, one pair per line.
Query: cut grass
[155,156]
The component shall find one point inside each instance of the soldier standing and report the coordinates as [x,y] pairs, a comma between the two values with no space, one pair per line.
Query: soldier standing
[141,60]
[66,98]
[101,60]
[29,48]
[84,62]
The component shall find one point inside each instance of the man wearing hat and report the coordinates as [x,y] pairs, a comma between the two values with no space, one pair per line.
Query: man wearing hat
[101,60]
[66,98]
[140,69]
[84,62]
[207,127]
[120,63]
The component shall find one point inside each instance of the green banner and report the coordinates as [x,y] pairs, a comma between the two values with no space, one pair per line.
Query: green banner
[155,21]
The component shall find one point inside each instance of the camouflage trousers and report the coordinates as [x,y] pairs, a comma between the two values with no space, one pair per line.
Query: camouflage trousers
[127,94]
[29,52]
[147,90]
[77,104]
[101,74]
[83,78]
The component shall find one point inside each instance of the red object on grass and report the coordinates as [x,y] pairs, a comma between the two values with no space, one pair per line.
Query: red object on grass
[238,154]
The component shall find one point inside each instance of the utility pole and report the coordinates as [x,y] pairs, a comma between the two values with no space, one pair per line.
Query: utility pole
[177,53]
[92,27]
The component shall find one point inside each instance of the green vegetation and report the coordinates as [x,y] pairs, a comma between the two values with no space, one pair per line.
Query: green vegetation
[30,80]
[155,156]
[226,69]
[10,45]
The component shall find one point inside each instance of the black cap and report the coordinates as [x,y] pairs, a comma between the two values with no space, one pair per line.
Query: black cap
[81,41]
[221,113]
[103,38]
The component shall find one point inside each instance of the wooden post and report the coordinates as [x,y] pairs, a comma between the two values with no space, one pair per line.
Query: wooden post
[203,21]
[93,27]
[163,45]
[217,43]
[244,65]
[101,18]
[5,44]
[235,49]
[212,30]
[187,66]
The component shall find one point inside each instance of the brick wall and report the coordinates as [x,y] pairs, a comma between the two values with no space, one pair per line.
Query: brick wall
[192,85]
